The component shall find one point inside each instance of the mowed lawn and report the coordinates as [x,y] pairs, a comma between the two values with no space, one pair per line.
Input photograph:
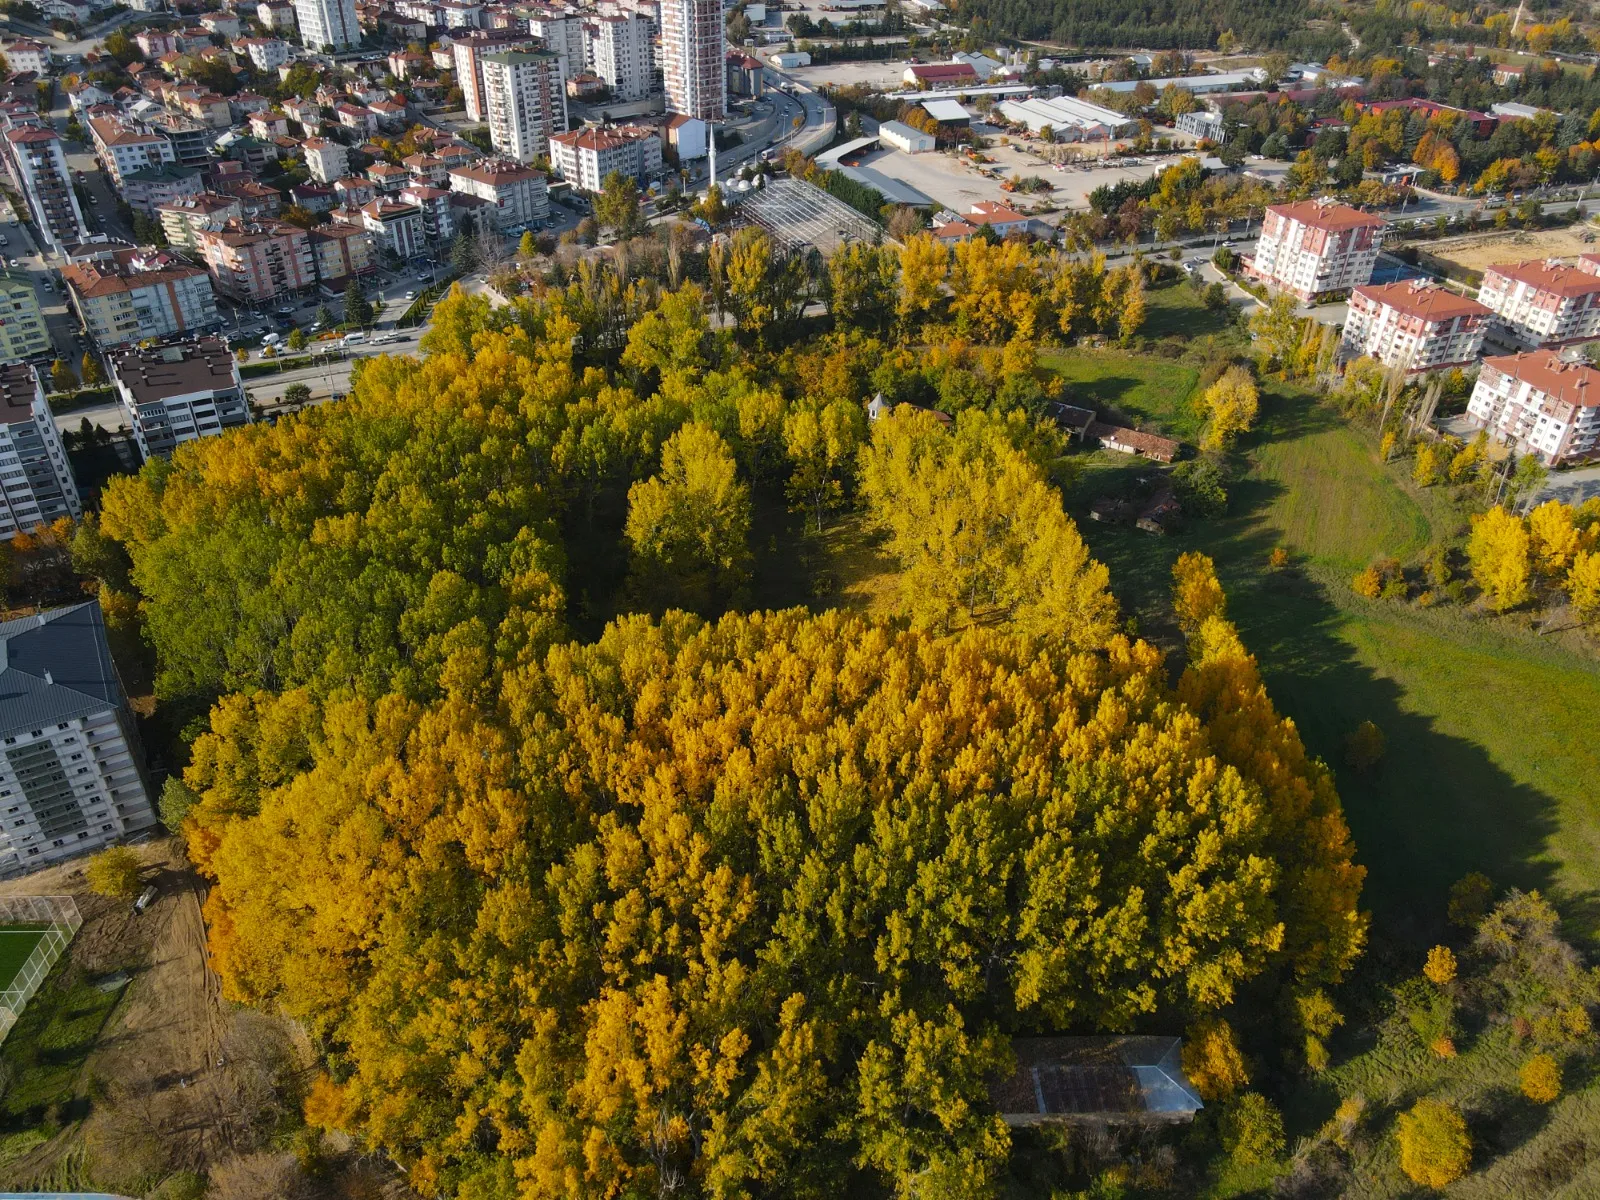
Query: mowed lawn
[1493,736]
[16,943]
[1151,392]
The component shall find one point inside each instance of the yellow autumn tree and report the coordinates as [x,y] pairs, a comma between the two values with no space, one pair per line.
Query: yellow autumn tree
[995,290]
[1583,585]
[1500,551]
[1435,1148]
[1196,593]
[924,265]
[1230,406]
[1555,539]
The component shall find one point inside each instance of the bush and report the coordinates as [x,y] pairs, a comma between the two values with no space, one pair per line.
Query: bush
[1363,748]
[1252,1130]
[1201,486]
[177,798]
[1435,1149]
[1541,1079]
[1212,1061]
[1440,968]
[114,872]
[1368,583]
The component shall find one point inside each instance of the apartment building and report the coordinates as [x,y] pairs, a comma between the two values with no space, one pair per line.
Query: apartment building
[1414,326]
[257,262]
[182,218]
[1544,302]
[36,484]
[328,25]
[178,392]
[617,49]
[71,774]
[326,159]
[341,252]
[23,334]
[693,53]
[526,101]
[1537,403]
[25,54]
[276,16]
[562,35]
[146,189]
[1315,248]
[39,167]
[124,146]
[140,294]
[266,54]
[395,227]
[519,194]
[585,157]
[433,203]
[190,139]
[467,53]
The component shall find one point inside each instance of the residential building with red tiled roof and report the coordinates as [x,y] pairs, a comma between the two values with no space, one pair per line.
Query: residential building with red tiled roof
[1315,248]
[341,251]
[586,156]
[40,166]
[181,218]
[258,262]
[1539,404]
[1545,302]
[140,294]
[520,195]
[1414,325]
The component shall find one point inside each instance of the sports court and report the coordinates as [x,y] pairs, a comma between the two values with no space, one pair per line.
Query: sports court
[34,933]
[17,942]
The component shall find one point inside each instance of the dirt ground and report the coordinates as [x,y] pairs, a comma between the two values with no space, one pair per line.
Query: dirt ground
[166,1031]
[1475,251]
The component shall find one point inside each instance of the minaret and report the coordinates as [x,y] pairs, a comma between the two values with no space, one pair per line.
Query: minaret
[711,141]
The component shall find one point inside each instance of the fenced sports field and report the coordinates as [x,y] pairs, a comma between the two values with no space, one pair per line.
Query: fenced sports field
[34,933]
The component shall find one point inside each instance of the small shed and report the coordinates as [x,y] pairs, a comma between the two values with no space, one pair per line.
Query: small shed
[787,60]
[1130,1080]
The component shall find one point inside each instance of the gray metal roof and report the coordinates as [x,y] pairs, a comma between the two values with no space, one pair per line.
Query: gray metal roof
[55,666]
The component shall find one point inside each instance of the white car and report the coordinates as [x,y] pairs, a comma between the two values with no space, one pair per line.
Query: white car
[411,295]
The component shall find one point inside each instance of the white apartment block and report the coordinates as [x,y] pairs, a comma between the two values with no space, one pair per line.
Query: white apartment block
[618,50]
[395,227]
[25,54]
[266,54]
[520,195]
[586,156]
[35,481]
[1315,247]
[37,163]
[1543,302]
[124,147]
[1414,326]
[1539,404]
[277,16]
[466,56]
[71,778]
[135,295]
[527,101]
[327,24]
[693,58]
[176,393]
[562,35]
[326,159]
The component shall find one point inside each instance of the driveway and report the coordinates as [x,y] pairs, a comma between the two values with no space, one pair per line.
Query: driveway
[1571,487]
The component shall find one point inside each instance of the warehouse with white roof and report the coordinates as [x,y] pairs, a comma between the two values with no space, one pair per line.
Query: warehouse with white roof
[1069,118]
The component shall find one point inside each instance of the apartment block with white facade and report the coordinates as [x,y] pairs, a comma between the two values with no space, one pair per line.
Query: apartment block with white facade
[1539,403]
[124,146]
[395,227]
[693,58]
[617,49]
[467,52]
[327,24]
[38,165]
[36,483]
[586,156]
[179,392]
[526,101]
[266,54]
[1544,302]
[25,54]
[23,333]
[1414,326]
[562,35]
[326,159]
[519,194]
[72,777]
[140,294]
[1315,247]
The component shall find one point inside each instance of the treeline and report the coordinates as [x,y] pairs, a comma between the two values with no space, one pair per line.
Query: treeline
[1162,24]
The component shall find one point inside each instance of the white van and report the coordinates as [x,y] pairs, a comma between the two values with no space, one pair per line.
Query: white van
[272,339]
[354,339]
[145,897]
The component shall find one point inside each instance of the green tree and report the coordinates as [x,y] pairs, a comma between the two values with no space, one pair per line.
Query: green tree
[177,798]
[323,317]
[861,286]
[357,308]
[688,526]
[1252,1129]
[61,377]
[297,394]
[527,248]
[617,205]
[297,339]
[822,444]
[114,872]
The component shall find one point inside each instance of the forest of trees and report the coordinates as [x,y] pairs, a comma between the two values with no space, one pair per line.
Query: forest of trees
[1167,24]
[729,903]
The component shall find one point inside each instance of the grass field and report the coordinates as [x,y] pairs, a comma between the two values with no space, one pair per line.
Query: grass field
[16,943]
[1493,735]
[1151,393]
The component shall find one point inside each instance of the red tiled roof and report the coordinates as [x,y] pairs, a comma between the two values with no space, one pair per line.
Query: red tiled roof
[1429,301]
[1547,275]
[1568,382]
[1331,217]
[943,71]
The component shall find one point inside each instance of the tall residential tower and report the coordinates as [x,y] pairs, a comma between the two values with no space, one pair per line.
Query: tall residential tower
[693,58]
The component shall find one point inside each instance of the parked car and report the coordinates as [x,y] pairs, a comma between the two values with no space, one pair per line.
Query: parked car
[411,295]
[145,899]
